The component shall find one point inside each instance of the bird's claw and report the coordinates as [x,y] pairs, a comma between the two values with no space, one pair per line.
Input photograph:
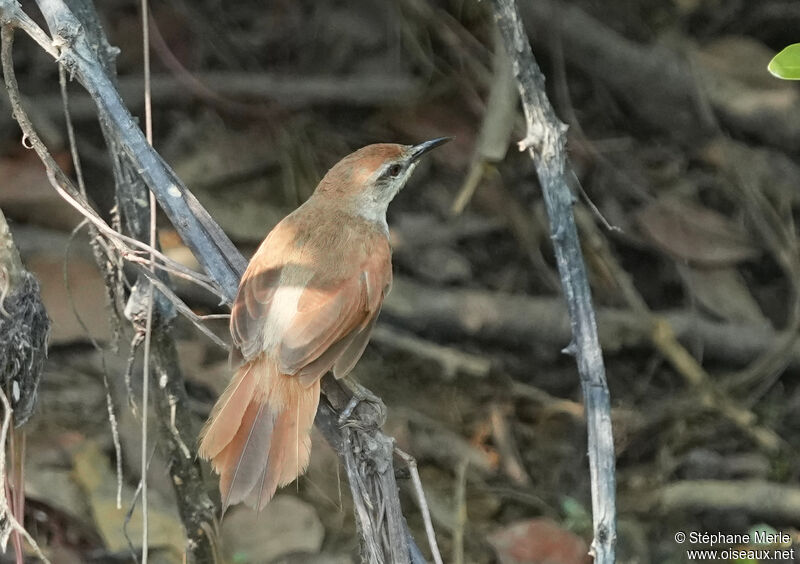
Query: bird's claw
[360,394]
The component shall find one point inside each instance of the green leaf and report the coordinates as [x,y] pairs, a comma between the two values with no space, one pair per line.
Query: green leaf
[241,557]
[786,64]
[576,517]
[761,528]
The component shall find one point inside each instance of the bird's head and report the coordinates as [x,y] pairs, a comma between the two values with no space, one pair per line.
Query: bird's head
[364,182]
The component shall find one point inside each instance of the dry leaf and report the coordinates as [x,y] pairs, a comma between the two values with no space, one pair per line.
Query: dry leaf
[501,109]
[538,541]
[723,293]
[694,233]
[27,195]
[86,295]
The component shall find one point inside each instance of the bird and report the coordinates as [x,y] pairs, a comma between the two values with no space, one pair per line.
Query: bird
[306,305]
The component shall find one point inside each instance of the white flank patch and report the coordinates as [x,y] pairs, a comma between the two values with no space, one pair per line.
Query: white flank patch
[15,391]
[173,191]
[281,314]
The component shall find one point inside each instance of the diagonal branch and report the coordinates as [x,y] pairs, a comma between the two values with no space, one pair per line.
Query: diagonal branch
[224,265]
[195,507]
[545,142]
[211,246]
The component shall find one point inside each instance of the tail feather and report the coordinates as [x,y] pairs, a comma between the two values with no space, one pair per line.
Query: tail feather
[290,448]
[252,458]
[261,440]
[296,434]
[225,462]
[267,485]
[226,417]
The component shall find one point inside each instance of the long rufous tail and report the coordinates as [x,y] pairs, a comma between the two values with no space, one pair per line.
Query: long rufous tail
[258,436]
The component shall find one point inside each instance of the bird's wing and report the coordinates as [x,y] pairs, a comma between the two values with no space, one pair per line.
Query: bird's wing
[329,320]
[307,310]
[256,293]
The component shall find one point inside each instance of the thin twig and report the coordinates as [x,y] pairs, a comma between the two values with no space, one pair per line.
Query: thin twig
[411,462]
[545,142]
[16,480]
[72,195]
[214,316]
[10,12]
[148,119]
[129,514]
[460,511]
[64,187]
[181,306]
[148,331]
[73,146]
[174,268]
[112,418]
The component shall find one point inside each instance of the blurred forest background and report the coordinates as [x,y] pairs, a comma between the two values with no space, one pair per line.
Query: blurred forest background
[685,157]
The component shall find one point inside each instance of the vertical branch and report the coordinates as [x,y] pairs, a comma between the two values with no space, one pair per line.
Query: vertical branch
[151,313]
[545,142]
[382,528]
[148,329]
[176,425]
[112,276]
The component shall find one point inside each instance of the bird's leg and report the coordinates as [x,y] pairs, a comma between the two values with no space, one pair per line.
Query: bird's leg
[359,394]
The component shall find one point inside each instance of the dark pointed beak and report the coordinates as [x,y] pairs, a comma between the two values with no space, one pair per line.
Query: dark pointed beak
[418,150]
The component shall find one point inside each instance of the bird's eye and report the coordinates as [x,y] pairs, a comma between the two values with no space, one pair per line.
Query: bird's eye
[395,170]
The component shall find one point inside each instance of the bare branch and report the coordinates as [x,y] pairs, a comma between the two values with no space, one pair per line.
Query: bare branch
[213,249]
[194,505]
[74,197]
[545,141]
[223,263]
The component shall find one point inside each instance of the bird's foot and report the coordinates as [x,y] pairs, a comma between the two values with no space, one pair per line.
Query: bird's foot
[359,395]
